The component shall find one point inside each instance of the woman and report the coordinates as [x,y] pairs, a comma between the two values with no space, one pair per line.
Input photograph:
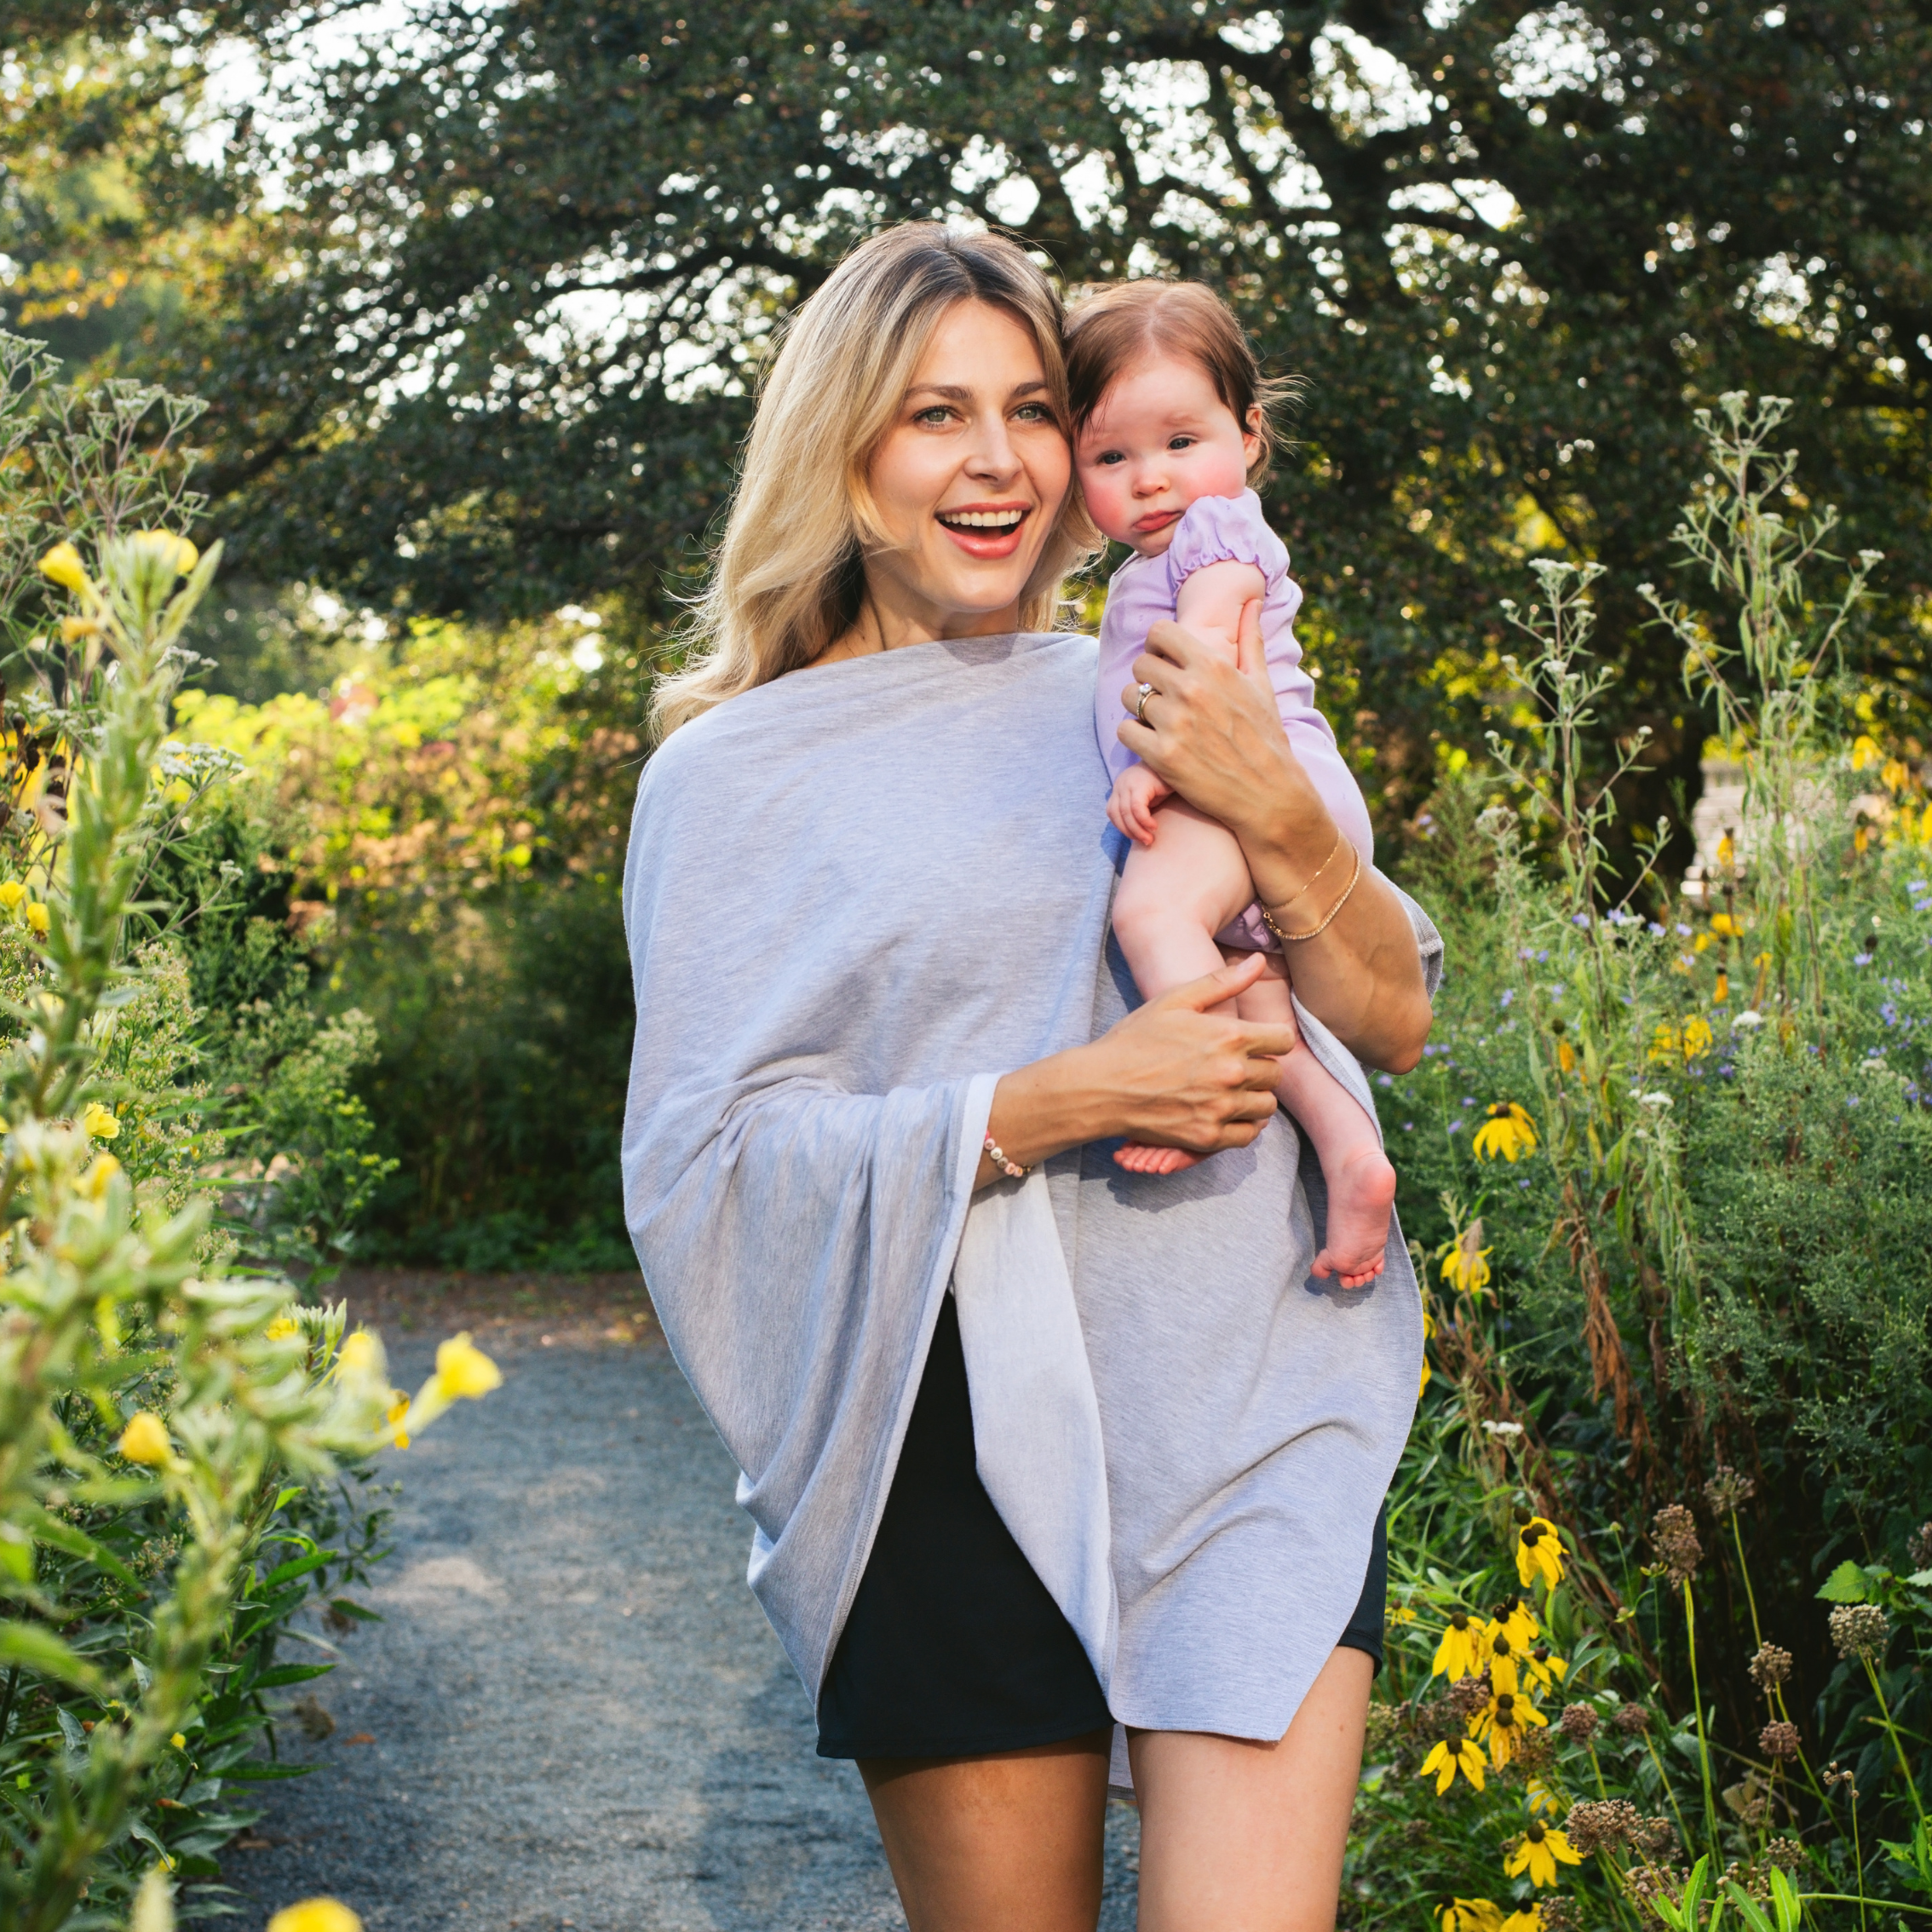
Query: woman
[1030,1445]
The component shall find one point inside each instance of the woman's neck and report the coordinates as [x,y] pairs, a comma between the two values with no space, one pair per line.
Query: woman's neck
[880,627]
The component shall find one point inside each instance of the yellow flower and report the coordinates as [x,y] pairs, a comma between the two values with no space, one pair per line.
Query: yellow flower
[165,547]
[1537,1852]
[1727,853]
[62,563]
[36,916]
[399,1408]
[1546,1670]
[1529,1920]
[100,1121]
[1509,1131]
[1721,992]
[1469,1915]
[1667,1043]
[1465,1261]
[282,1329]
[1726,926]
[144,1440]
[464,1369]
[74,628]
[1539,1552]
[1863,751]
[1459,1654]
[1428,1336]
[1500,1654]
[1896,776]
[315,1915]
[1514,1615]
[101,1171]
[1452,1753]
[1566,1057]
[358,1350]
[178,1741]
[1539,1797]
[11,892]
[1501,1723]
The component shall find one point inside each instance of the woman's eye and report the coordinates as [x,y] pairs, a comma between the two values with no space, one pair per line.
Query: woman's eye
[933,418]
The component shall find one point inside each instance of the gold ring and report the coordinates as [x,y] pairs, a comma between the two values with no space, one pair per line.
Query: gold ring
[1146,692]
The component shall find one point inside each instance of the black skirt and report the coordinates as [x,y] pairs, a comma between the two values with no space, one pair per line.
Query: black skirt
[953,1646]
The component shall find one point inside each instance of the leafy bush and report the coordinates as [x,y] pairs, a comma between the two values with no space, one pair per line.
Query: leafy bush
[1664,1158]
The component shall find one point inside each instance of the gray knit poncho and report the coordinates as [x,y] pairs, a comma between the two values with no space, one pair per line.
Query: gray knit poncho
[855,897]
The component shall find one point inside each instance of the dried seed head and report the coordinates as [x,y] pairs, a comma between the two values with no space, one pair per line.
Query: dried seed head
[1770,1667]
[1779,1741]
[1559,1915]
[1919,1547]
[1786,1854]
[1859,1630]
[1631,1719]
[1578,1722]
[1602,1824]
[1673,1534]
[1658,1837]
[1727,1490]
[1466,1696]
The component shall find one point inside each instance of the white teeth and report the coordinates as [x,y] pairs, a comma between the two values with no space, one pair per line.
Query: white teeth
[982,519]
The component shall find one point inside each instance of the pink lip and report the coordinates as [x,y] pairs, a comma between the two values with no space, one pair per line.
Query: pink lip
[1159,520]
[989,545]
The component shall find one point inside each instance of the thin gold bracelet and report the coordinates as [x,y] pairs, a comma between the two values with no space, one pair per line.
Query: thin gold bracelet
[1314,932]
[1301,892]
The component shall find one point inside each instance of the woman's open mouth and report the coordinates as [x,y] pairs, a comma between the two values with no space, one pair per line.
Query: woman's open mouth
[986,530]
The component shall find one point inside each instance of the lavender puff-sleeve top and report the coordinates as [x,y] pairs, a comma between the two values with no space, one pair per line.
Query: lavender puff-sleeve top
[1145,590]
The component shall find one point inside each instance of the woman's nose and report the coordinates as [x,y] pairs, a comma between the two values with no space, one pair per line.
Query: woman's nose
[992,453]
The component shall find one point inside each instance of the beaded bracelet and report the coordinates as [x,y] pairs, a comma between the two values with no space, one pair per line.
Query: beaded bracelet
[1011,1169]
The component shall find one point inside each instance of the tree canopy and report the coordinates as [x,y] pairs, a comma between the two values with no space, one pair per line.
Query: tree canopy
[480,302]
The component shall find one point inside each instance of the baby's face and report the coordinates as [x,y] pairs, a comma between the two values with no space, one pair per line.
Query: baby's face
[1160,439]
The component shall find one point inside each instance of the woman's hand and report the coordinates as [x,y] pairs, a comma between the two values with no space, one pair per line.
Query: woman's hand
[1171,1074]
[1212,731]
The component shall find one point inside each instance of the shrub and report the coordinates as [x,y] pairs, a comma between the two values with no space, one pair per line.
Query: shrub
[1666,1158]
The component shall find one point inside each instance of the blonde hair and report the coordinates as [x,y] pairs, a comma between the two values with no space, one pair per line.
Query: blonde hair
[789,576]
[1111,327]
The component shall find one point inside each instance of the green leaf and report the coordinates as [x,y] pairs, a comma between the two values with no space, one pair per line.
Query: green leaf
[1748,1908]
[257,1772]
[52,1530]
[1784,1902]
[296,1566]
[1845,1585]
[289,1674]
[40,1650]
[343,1607]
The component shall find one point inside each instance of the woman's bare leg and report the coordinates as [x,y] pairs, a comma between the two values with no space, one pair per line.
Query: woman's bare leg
[1238,1837]
[1175,895]
[1008,1842]
[1361,1183]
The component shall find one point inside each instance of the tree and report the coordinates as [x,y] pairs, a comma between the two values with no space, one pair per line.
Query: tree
[491,347]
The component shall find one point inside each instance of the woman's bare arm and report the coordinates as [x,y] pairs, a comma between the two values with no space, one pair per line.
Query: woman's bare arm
[1213,733]
[1170,1074]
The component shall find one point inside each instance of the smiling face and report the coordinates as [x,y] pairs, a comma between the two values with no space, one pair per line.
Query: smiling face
[966,486]
[1160,437]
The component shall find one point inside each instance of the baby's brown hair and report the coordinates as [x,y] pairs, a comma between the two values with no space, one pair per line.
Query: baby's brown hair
[1108,327]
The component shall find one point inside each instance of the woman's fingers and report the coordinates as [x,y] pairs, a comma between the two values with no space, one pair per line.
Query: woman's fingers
[1211,989]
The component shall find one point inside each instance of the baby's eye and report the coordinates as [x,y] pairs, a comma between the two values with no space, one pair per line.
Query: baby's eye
[1107,456]
[1181,442]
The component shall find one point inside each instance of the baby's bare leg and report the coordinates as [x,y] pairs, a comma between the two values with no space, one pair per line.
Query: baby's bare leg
[1361,1183]
[1175,895]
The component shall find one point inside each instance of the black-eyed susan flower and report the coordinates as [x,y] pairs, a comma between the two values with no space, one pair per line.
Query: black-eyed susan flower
[1509,1131]
[1465,1261]
[1459,1654]
[1501,1656]
[1469,1915]
[1453,1751]
[1529,1919]
[1538,1797]
[1545,1668]
[1524,1630]
[1689,1042]
[1500,1726]
[1538,1852]
[1539,1552]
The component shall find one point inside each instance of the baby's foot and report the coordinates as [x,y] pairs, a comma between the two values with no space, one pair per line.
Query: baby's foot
[1360,1192]
[1139,1160]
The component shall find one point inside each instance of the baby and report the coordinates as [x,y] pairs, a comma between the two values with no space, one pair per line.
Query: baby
[1171,428]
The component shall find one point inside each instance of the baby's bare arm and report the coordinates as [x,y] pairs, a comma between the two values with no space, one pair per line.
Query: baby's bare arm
[1211,600]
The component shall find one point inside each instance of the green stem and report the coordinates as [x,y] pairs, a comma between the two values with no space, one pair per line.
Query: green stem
[1703,1741]
[1858,1861]
[1847,1898]
[1669,1796]
[1892,1732]
[1602,1790]
[1744,1571]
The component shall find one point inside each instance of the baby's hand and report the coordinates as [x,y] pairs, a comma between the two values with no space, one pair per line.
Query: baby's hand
[1130,806]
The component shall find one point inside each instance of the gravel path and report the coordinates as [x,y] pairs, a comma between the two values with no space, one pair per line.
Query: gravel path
[573,1714]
